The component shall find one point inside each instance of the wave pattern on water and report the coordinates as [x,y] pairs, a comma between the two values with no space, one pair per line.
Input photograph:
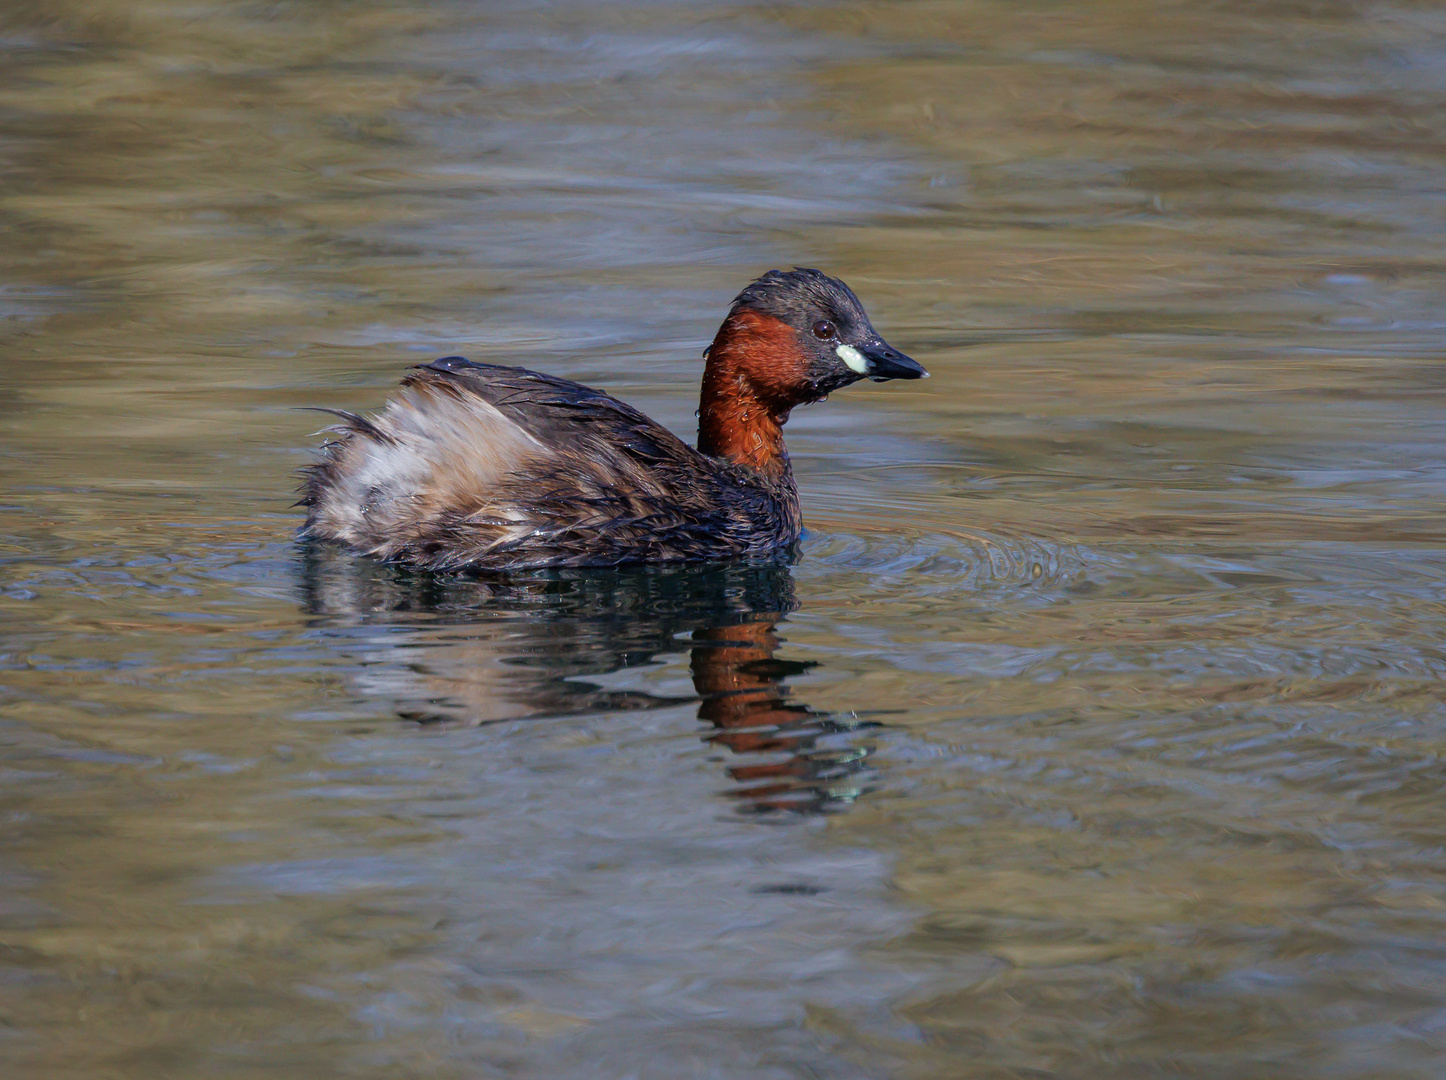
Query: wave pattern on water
[1096,731]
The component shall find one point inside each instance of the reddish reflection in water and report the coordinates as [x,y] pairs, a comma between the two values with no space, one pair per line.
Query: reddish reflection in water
[745,698]
[454,650]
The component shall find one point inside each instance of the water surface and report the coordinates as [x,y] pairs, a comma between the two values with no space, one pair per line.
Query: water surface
[1096,731]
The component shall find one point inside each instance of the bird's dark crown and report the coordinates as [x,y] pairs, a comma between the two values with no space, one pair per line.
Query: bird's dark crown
[800,296]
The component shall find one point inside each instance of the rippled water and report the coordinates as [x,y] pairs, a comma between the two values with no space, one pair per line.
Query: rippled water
[1097,731]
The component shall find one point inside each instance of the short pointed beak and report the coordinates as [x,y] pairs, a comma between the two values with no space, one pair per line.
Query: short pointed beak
[886,362]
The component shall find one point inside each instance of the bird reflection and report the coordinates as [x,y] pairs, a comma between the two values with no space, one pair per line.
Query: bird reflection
[449,649]
[742,692]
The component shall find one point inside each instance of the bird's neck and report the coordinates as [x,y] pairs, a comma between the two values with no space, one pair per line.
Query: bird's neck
[749,386]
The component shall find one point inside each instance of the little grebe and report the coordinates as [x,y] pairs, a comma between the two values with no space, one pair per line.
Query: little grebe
[501,468]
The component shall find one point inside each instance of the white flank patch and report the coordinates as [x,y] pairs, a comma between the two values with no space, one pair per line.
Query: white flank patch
[441,451]
[853,358]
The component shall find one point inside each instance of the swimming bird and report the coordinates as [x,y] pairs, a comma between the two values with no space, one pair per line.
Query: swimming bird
[480,466]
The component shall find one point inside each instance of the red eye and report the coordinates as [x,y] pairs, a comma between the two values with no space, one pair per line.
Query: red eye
[824,329]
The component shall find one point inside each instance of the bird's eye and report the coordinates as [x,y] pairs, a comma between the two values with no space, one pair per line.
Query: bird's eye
[824,329]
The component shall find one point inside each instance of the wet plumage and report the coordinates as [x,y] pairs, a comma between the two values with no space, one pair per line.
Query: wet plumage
[491,467]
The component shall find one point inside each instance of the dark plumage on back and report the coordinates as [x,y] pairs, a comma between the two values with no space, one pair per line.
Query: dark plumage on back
[487,466]
[477,465]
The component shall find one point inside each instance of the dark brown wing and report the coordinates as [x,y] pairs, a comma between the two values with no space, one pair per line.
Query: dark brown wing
[489,466]
[561,412]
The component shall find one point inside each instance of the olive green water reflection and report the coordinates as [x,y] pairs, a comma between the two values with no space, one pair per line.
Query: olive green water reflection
[1097,733]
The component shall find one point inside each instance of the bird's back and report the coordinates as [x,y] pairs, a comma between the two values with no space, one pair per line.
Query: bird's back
[477,465]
